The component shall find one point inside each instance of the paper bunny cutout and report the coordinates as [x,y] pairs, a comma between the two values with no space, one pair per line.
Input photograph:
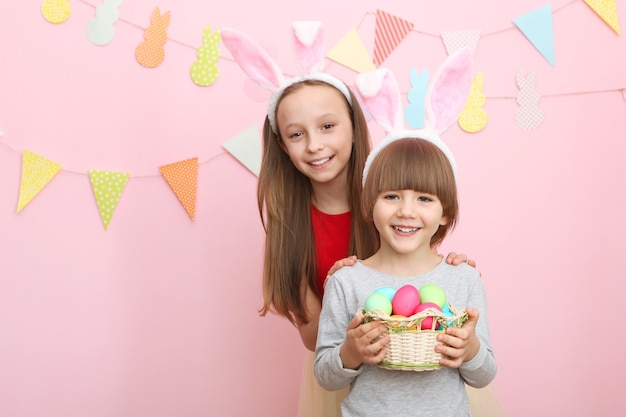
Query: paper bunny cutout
[445,99]
[261,68]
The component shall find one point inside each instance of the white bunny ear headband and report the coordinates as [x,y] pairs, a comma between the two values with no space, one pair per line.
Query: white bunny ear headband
[260,67]
[445,100]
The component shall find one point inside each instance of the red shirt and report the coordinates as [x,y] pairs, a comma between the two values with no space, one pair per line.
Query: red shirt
[332,240]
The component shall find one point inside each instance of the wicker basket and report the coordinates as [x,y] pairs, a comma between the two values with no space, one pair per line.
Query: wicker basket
[411,348]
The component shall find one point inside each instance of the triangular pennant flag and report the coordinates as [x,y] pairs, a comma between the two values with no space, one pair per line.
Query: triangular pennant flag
[607,11]
[37,172]
[455,40]
[389,32]
[246,148]
[536,25]
[351,52]
[183,180]
[107,188]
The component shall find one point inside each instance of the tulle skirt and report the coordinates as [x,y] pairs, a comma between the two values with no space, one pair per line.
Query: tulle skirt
[315,401]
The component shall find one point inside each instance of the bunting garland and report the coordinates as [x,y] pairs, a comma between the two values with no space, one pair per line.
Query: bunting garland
[536,25]
[150,53]
[607,11]
[101,29]
[56,11]
[389,32]
[37,172]
[473,118]
[183,180]
[107,189]
[350,51]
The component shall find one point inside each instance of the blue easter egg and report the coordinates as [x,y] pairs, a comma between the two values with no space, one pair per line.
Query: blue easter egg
[387,292]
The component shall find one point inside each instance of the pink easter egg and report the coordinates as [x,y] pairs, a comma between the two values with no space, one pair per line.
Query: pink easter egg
[427,324]
[405,300]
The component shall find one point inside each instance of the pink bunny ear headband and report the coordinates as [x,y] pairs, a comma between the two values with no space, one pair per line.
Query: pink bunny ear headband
[445,100]
[260,67]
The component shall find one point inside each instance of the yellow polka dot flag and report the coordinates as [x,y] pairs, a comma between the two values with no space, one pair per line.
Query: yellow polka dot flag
[182,178]
[37,172]
[607,11]
[107,188]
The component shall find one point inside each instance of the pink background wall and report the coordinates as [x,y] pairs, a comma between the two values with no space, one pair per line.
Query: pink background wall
[157,316]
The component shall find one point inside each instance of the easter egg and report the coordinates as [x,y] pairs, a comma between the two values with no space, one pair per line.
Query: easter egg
[397,324]
[431,293]
[448,313]
[406,300]
[427,323]
[378,302]
[387,291]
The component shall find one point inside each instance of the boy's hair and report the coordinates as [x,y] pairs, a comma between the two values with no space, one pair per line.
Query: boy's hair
[284,203]
[413,164]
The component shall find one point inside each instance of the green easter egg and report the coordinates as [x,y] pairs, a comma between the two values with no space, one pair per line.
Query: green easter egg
[432,293]
[378,302]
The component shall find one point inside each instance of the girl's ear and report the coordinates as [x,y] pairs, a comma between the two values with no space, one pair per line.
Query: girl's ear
[444,221]
[281,143]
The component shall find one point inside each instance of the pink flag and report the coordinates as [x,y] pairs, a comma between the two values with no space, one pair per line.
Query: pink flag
[389,32]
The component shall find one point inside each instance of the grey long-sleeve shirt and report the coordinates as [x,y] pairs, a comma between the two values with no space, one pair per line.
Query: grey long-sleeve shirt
[381,392]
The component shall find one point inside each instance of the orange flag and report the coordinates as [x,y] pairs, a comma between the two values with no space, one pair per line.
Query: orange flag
[182,178]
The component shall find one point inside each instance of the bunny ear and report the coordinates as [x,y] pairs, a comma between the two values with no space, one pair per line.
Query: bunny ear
[381,96]
[309,42]
[449,90]
[255,62]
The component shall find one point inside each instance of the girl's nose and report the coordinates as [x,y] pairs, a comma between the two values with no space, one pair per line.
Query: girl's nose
[315,143]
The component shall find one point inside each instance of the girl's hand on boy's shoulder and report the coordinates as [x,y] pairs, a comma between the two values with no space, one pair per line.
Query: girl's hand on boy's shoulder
[349,261]
[363,343]
[455,259]
[459,344]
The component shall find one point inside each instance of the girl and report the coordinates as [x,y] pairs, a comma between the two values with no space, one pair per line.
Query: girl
[315,143]
[410,197]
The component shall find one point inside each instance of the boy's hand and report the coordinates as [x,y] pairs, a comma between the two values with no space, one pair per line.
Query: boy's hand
[362,344]
[459,345]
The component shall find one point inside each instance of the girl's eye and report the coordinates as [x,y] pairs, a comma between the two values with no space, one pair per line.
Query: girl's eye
[295,135]
[326,126]
[424,198]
